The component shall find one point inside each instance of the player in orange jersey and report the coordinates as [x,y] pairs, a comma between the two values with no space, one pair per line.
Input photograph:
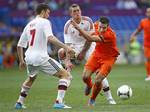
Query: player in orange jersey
[145,26]
[102,58]
[83,49]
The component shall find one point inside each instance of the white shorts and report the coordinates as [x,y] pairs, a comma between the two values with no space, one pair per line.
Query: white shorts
[50,67]
[77,48]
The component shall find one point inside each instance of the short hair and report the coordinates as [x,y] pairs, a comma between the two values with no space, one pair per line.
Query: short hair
[73,6]
[40,7]
[104,20]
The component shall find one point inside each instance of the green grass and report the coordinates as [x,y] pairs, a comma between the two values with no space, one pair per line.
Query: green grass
[44,91]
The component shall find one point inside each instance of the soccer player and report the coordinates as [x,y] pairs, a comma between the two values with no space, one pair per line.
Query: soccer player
[82,48]
[102,58]
[145,26]
[36,35]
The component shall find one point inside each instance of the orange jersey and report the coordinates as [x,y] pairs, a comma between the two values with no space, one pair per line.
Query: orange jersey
[145,26]
[108,47]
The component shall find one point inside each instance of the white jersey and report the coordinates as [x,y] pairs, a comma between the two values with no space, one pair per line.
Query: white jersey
[73,37]
[35,36]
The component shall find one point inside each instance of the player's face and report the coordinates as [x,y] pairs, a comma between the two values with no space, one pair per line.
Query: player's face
[76,13]
[148,13]
[103,27]
[46,13]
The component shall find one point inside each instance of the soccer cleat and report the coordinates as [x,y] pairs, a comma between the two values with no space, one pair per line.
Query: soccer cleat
[87,90]
[61,106]
[91,103]
[147,79]
[112,101]
[18,105]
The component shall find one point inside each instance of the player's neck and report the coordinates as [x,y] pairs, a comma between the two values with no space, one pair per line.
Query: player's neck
[40,15]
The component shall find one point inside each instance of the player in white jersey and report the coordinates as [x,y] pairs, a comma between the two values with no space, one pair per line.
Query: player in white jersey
[82,48]
[35,36]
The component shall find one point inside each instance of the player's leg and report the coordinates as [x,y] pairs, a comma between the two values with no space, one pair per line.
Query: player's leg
[52,67]
[107,91]
[62,59]
[96,88]
[105,70]
[147,63]
[89,68]
[32,71]
[87,80]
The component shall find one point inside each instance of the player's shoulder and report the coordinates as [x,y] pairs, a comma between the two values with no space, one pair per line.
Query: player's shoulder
[68,23]
[145,20]
[86,18]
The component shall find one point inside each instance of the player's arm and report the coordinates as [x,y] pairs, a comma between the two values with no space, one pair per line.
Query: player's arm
[88,36]
[135,33]
[22,44]
[55,41]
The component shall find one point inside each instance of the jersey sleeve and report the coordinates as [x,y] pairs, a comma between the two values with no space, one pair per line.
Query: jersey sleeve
[23,41]
[48,29]
[140,27]
[67,35]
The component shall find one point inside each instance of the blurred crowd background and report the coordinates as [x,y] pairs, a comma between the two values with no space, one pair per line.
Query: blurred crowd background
[124,16]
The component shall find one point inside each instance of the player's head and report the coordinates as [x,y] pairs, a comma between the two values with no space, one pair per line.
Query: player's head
[148,12]
[43,10]
[75,11]
[104,23]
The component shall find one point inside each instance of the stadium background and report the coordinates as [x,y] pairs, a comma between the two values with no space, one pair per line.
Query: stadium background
[124,18]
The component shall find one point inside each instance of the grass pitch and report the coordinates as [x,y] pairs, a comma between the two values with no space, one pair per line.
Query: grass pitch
[43,93]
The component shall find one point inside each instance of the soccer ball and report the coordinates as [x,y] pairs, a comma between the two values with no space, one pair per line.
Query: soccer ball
[124,92]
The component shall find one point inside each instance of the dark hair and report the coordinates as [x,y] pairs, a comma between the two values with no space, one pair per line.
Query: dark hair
[104,20]
[73,6]
[40,7]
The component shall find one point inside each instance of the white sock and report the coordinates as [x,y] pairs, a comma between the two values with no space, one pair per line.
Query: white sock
[108,95]
[105,84]
[60,96]
[24,90]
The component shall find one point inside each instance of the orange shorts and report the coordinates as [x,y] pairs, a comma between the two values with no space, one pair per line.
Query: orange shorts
[102,65]
[147,52]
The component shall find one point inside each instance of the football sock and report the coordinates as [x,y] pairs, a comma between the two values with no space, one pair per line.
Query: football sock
[62,87]
[107,93]
[106,89]
[23,94]
[148,68]
[95,90]
[88,82]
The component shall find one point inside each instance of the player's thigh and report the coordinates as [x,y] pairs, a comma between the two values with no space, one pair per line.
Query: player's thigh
[51,67]
[106,66]
[32,71]
[92,63]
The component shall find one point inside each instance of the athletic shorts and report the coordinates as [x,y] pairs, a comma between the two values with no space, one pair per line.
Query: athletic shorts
[101,65]
[147,52]
[50,67]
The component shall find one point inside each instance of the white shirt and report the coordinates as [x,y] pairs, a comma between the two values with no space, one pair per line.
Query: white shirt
[71,35]
[35,36]
[77,41]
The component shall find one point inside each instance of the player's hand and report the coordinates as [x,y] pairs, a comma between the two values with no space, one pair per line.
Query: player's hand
[132,39]
[22,65]
[70,51]
[68,65]
[81,56]
[75,24]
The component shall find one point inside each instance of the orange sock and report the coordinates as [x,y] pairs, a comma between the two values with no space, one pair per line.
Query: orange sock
[95,91]
[148,68]
[88,82]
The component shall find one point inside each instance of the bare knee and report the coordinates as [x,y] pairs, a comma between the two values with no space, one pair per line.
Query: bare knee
[98,80]
[61,53]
